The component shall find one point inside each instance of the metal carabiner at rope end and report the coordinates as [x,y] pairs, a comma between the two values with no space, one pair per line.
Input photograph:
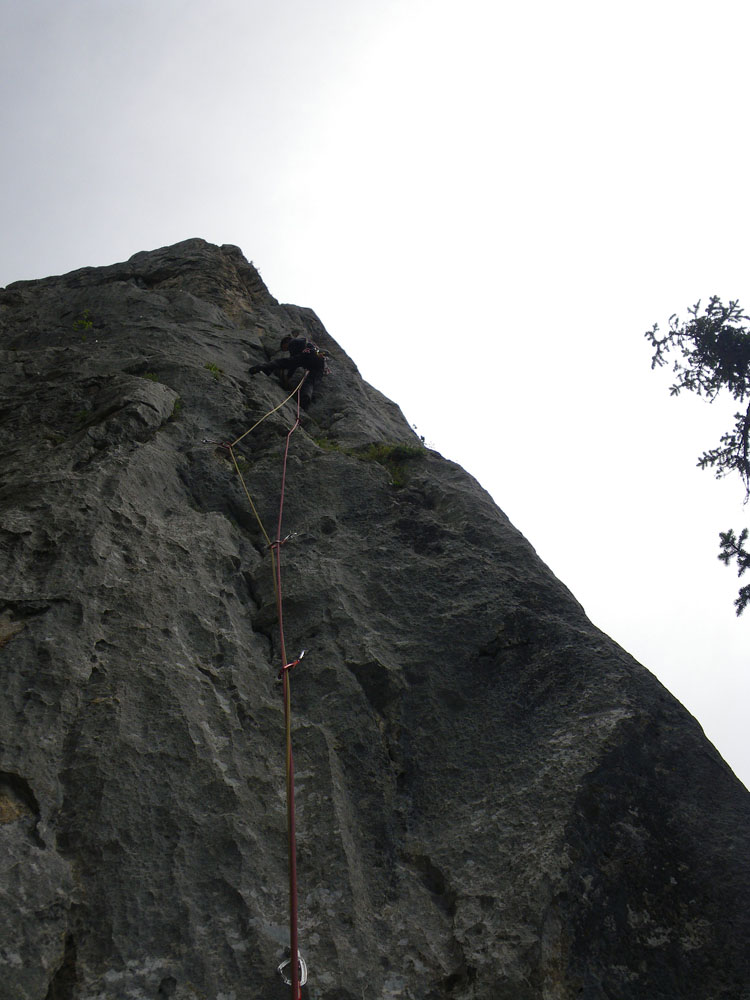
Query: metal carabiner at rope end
[302,970]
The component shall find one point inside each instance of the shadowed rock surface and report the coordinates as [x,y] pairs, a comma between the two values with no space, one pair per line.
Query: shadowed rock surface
[494,800]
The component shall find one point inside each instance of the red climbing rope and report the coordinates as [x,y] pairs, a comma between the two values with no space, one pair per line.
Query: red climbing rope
[285,667]
[298,968]
[297,964]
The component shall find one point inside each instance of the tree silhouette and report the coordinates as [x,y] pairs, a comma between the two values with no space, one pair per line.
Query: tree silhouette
[712,356]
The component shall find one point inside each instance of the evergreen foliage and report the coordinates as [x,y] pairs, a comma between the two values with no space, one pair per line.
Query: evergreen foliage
[712,351]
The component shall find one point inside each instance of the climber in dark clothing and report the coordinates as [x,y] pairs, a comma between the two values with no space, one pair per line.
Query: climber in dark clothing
[302,354]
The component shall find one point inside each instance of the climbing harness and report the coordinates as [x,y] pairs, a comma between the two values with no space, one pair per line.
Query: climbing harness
[297,969]
[315,351]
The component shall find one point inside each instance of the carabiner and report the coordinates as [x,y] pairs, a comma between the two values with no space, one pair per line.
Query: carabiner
[302,970]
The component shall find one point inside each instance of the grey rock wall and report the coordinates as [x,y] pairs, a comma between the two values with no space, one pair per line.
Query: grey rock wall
[493,798]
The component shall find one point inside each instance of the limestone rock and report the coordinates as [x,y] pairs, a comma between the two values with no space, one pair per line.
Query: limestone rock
[493,798]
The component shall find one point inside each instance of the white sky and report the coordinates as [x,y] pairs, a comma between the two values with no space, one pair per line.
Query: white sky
[486,202]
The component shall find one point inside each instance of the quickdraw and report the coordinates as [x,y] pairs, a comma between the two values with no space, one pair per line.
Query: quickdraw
[292,665]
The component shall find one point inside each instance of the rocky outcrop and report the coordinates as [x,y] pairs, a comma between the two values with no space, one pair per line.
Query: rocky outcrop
[493,798]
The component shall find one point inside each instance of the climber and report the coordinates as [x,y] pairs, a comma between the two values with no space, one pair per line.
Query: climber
[302,354]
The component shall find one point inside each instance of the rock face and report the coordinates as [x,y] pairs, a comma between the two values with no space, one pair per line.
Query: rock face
[493,799]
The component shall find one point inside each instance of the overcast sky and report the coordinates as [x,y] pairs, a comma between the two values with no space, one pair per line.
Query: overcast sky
[486,202]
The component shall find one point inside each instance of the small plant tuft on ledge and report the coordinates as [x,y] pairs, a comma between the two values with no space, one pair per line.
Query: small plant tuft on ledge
[327,444]
[84,321]
[394,457]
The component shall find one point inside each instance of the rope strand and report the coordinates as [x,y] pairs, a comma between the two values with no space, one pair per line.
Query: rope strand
[275,549]
[291,835]
[299,386]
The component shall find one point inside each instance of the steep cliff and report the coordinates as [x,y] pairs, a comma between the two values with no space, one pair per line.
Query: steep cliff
[493,798]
